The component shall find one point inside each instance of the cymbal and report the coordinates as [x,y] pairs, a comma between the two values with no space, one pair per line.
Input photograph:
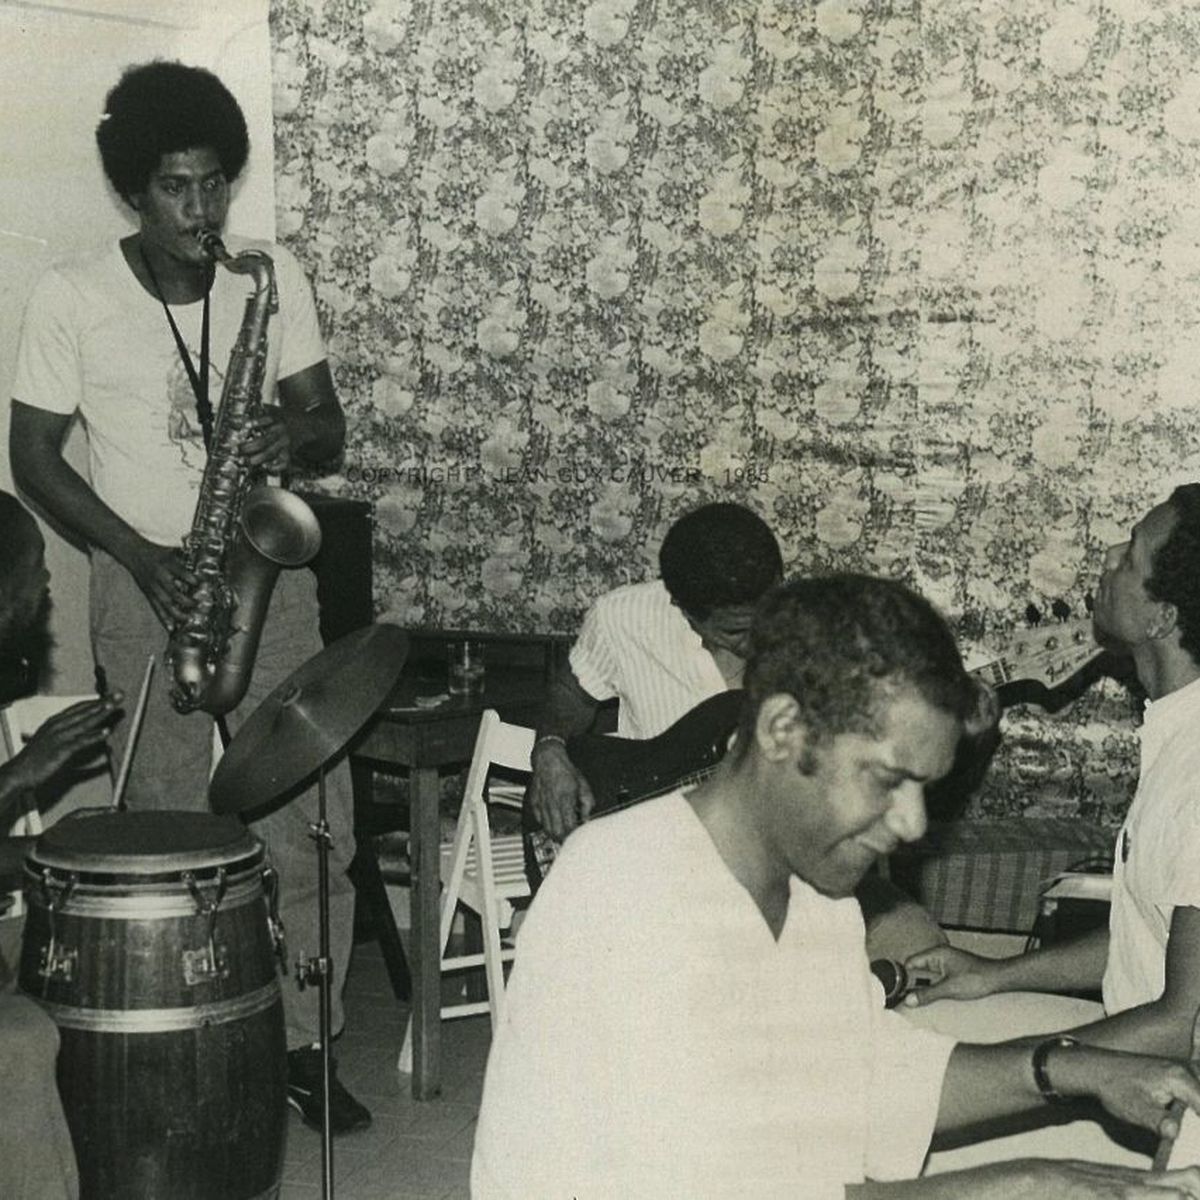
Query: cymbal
[308,718]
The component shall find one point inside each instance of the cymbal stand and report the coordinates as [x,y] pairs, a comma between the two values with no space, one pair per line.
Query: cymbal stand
[319,970]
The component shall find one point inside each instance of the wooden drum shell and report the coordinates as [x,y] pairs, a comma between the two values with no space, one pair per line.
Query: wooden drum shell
[172,1068]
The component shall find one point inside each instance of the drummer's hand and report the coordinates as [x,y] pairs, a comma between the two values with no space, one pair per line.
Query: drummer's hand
[68,737]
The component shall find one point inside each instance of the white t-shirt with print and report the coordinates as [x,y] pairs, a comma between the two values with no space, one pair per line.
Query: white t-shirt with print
[94,341]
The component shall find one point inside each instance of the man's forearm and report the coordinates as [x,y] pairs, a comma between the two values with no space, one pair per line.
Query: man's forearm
[984,1082]
[569,709]
[316,435]
[1077,965]
[59,489]
[315,423]
[1161,1028]
[996,1181]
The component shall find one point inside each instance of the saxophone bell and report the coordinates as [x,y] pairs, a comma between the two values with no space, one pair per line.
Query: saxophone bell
[212,669]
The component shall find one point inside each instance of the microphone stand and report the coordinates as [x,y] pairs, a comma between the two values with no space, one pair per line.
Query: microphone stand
[319,970]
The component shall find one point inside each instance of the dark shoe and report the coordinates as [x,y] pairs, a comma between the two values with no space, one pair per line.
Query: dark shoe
[304,1094]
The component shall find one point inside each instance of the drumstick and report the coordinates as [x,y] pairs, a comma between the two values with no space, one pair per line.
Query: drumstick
[1162,1156]
[123,773]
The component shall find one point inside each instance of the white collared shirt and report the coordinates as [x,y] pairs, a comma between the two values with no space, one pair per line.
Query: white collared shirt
[1157,856]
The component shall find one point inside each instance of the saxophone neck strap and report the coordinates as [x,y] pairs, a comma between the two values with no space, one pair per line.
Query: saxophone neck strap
[197,378]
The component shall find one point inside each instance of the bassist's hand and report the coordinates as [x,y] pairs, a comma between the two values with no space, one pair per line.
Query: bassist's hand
[986,714]
[558,794]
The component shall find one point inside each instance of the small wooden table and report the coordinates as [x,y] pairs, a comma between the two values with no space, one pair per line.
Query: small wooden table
[420,741]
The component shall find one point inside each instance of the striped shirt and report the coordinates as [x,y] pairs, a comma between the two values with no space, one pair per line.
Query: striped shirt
[637,645]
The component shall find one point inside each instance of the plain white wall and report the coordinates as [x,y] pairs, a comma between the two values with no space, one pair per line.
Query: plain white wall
[59,61]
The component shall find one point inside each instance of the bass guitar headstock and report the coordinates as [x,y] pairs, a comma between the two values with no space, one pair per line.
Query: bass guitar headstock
[1046,654]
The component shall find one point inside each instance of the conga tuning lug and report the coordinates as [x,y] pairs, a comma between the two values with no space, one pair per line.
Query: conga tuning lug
[270,878]
[204,965]
[207,963]
[58,963]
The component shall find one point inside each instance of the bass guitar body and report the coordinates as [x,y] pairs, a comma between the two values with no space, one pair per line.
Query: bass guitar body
[624,771]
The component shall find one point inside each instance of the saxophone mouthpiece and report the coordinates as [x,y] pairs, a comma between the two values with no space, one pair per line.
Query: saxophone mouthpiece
[211,244]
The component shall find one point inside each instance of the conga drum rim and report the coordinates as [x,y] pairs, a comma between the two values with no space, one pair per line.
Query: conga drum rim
[144,844]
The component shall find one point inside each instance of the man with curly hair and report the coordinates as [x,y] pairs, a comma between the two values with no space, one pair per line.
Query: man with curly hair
[135,338]
[691,1013]
[1147,962]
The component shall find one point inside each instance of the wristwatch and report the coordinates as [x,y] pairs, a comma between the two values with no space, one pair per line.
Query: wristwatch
[1040,1053]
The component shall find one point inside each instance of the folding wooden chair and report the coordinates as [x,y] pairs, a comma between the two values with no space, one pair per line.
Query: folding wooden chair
[482,872]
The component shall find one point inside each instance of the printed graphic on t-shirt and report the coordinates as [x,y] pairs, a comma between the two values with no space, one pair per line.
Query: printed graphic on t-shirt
[183,423]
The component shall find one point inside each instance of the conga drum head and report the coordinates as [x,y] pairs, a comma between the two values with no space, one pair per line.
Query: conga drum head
[144,844]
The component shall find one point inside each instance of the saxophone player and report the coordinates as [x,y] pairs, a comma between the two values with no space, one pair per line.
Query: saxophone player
[136,338]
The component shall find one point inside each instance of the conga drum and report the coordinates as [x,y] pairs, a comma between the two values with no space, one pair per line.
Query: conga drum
[149,941]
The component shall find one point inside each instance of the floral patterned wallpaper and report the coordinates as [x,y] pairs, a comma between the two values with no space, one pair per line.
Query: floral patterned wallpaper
[919,282]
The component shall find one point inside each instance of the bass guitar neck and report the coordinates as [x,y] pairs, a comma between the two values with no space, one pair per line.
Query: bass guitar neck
[625,771]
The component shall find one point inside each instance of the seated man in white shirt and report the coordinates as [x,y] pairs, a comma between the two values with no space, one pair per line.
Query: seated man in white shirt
[661,648]
[691,1012]
[1147,961]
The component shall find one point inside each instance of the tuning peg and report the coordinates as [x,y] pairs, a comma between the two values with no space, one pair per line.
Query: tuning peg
[1088,601]
[1032,615]
[1060,609]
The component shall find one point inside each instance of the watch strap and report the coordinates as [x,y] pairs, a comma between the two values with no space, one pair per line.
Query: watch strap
[1041,1052]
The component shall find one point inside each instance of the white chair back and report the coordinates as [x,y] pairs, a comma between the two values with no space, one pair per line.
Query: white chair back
[483,872]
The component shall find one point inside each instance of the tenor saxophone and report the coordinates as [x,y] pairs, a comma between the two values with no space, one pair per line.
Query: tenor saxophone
[242,532]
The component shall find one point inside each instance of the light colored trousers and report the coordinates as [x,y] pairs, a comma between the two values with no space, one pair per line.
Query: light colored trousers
[173,757]
[37,1160]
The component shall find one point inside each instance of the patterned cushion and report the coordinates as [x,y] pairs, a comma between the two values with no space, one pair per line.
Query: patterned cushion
[988,874]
